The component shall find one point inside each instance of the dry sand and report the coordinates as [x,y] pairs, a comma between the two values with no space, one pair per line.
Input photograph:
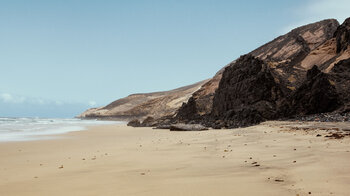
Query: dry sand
[268,159]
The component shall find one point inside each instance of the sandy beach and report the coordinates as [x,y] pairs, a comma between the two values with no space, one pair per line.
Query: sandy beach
[273,158]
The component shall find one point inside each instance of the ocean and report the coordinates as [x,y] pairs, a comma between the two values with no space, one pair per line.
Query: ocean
[23,129]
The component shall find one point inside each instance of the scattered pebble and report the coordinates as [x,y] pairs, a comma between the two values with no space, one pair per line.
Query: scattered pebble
[60,167]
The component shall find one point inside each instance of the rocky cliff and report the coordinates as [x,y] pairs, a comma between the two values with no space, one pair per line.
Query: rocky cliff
[278,81]
[247,93]
[289,56]
[305,71]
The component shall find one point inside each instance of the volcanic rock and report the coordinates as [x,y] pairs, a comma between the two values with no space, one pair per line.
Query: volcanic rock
[315,95]
[342,35]
[247,93]
[134,123]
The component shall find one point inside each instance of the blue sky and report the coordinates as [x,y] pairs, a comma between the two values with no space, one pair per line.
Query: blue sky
[61,57]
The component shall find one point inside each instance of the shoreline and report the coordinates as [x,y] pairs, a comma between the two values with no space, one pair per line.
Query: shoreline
[272,158]
[31,129]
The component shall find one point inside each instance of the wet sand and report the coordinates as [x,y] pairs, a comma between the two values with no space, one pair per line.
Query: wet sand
[274,158]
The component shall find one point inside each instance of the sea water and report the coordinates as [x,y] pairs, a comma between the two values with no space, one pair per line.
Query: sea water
[22,129]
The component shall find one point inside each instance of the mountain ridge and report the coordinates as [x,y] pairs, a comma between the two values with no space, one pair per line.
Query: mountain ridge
[287,59]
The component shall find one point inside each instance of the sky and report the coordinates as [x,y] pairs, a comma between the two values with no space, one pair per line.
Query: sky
[58,58]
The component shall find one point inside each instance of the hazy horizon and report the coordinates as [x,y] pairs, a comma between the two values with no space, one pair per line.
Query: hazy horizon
[60,58]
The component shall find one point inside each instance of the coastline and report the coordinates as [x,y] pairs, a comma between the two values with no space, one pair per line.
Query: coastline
[30,129]
[268,159]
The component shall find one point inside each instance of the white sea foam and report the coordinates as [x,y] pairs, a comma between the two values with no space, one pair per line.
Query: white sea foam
[21,129]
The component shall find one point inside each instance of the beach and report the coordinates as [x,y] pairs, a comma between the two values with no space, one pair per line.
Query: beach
[273,158]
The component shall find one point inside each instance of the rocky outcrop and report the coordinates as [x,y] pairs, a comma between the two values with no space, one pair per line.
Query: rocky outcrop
[342,35]
[317,94]
[134,123]
[340,77]
[284,55]
[201,101]
[141,106]
[247,93]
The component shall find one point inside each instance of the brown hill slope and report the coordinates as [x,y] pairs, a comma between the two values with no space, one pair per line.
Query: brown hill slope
[156,105]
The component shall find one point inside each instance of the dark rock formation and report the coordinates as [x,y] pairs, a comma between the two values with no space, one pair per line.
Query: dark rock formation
[342,35]
[188,111]
[247,93]
[134,123]
[315,95]
[340,77]
[201,102]
[342,67]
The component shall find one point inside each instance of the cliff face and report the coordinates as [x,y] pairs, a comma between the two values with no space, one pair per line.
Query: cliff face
[317,94]
[300,73]
[247,93]
[284,55]
[303,72]
[140,106]
[342,36]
